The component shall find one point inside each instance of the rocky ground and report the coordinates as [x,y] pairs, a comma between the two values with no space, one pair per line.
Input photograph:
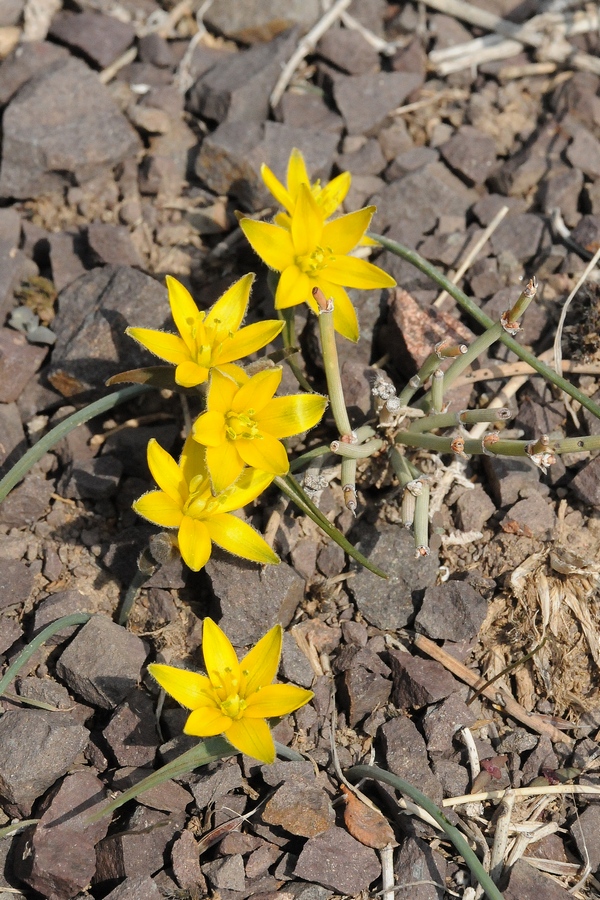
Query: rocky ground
[131,132]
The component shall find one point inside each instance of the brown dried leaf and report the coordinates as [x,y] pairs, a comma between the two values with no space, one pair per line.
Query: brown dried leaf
[364,824]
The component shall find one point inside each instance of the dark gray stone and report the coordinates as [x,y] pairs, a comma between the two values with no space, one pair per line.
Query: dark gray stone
[62,126]
[525,169]
[16,582]
[421,870]
[561,190]
[19,360]
[410,160]
[365,101]
[67,257]
[509,476]
[102,39]
[474,509]
[112,245]
[15,267]
[29,58]
[139,849]
[103,679]
[36,748]
[61,603]
[137,887]
[253,598]
[520,235]
[28,502]
[257,21]
[418,682]
[94,479]
[451,611]
[533,517]
[309,111]
[212,786]
[406,756]
[226,874]
[471,154]
[10,632]
[237,89]
[349,51]
[186,864]
[586,484]
[368,160]
[389,603]
[441,722]
[361,692]
[325,860]
[294,664]
[584,152]
[131,733]
[527,883]
[587,233]
[93,314]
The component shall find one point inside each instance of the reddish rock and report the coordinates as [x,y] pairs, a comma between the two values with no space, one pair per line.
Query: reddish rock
[336,860]
[186,863]
[301,807]
[18,362]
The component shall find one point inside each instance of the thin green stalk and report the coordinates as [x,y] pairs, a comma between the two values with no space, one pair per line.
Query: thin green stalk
[316,453]
[438,386]
[35,453]
[401,467]
[421,521]
[441,444]
[358,772]
[454,419]
[356,451]
[348,480]
[470,307]
[332,369]
[292,489]
[289,342]
[28,651]
[426,371]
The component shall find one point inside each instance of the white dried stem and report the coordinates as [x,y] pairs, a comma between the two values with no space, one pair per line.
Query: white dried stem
[559,330]
[501,836]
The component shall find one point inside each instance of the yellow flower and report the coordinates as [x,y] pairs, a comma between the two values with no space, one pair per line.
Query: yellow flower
[314,253]
[207,339]
[185,501]
[236,697]
[327,198]
[244,423]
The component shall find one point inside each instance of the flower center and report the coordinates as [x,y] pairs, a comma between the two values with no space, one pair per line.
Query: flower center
[233,706]
[241,425]
[201,504]
[207,339]
[312,263]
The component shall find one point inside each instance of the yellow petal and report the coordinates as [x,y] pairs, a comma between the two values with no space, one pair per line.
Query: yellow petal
[276,700]
[333,194]
[225,465]
[221,393]
[230,308]
[357,273]
[169,347]
[283,220]
[259,666]
[343,234]
[345,320]
[183,308]
[158,507]
[219,655]
[276,188]
[273,244]
[209,429]
[189,374]
[307,223]
[247,488]
[285,416]
[257,392]
[206,722]
[194,543]
[294,287]
[192,462]
[189,688]
[248,340]
[296,175]
[239,538]
[166,472]
[266,453]
[252,737]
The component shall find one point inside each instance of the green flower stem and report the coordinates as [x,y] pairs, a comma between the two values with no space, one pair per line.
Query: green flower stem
[470,307]
[437,391]
[332,370]
[426,371]
[473,447]
[35,453]
[316,453]
[356,451]
[290,343]
[28,651]
[574,445]
[348,479]
[358,772]
[401,468]
[290,487]
[454,419]
[421,524]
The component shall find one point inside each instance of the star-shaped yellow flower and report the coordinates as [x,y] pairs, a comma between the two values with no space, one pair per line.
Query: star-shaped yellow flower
[236,697]
[313,253]
[185,501]
[244,423]
[327,198]
[207,339]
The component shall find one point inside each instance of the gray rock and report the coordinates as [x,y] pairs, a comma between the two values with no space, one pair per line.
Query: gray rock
[309,111]
[587,232]
[61,603]
[527,883]
[451,611]
[560,190]
[12,443]
[533,517]
[474,509]
[62,126]
[93,314]
[11,12]
[27,502]
[15,267]
[212,786]
[441,722]
[294,664]
[237,89]
[256,21]
[16,582]
[325,860]
[421,870]
[139,849]
[169,796]
[27,60]
[36,748]
[19,360]
[10,632]
[226,874]
[525,169]
[584,152]
[406,756]
[361,692]
[418,682]
[131,733]
[509,476]
[102,39]
[154,49]
[253,598]
[410,160]
[137,887]
[300,806]
[365,101]
[389,604]
[112,244]
[349,51]
[519,234]
[94,479]
[103,679]
[471,154]
[67,257]
[586,484]
[185,862]
[58,859]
